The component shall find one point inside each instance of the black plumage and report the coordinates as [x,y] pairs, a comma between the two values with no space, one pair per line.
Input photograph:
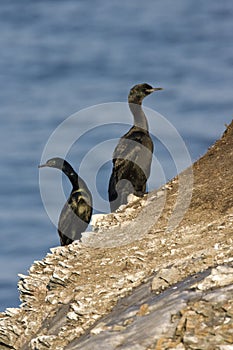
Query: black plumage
[133,154]
[76,213]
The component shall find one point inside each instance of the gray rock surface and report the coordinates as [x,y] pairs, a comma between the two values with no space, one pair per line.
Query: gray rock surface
[143,318]
[153,276]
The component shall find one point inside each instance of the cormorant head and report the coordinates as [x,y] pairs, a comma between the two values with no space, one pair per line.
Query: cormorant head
[57,163]
[138,92]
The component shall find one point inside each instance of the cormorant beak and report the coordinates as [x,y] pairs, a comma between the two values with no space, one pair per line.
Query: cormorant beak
[42,165]
[153,89]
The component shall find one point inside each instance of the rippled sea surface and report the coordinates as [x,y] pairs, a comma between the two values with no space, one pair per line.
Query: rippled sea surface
[59,57]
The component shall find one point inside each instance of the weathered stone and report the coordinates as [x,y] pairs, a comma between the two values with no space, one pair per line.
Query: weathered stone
[91,294]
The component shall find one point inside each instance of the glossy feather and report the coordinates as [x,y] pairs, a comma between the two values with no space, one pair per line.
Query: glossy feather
[133,155]
[76,213]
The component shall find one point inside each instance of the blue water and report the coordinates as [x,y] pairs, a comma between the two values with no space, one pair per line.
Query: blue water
[58,57]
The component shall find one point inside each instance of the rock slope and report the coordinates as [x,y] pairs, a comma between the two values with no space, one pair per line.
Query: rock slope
[157,275]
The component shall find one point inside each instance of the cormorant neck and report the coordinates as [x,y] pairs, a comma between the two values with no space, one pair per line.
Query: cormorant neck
[71,174]
[139,116]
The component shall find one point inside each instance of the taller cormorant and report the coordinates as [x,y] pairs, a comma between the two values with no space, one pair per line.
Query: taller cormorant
[133,154]
[76,213]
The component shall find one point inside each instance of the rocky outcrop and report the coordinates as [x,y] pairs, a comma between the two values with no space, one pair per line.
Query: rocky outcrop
[157,275]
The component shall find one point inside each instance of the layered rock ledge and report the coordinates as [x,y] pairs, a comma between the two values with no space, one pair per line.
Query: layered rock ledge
[154,276]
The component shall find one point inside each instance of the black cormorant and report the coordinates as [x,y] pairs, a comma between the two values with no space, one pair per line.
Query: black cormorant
[70,226]
[133,154]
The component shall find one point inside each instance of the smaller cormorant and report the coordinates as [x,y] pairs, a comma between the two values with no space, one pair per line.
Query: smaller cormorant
[76,213]
[133,154]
